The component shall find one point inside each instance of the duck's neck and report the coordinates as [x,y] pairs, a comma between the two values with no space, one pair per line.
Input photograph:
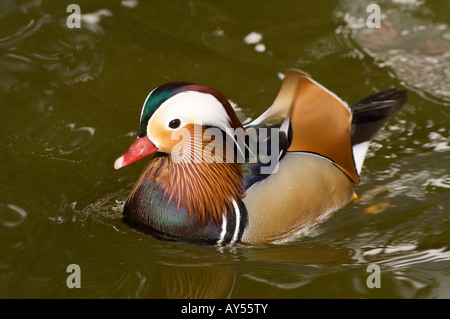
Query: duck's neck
[205,189]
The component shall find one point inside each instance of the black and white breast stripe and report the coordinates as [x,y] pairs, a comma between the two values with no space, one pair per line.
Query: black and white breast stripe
[233,225]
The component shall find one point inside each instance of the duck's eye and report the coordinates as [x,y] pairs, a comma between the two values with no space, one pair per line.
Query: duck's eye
[174,123]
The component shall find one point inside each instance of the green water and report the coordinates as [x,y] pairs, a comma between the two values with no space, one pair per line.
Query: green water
[70,101]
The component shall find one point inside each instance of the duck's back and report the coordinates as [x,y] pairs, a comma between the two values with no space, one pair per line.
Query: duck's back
[326,144]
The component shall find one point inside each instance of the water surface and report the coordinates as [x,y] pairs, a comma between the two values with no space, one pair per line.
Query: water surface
[69,106]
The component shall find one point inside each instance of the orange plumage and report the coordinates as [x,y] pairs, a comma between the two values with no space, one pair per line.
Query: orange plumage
[204,183]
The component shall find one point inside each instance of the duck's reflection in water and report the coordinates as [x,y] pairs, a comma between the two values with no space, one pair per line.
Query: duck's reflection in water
[198,282]
[283,267]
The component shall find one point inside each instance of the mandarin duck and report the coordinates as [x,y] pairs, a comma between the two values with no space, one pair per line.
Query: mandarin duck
[213,181]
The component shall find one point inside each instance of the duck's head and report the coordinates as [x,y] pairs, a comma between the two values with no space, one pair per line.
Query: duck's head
[174,107]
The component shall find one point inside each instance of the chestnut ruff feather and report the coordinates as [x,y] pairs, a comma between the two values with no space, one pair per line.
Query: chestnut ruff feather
[197,180]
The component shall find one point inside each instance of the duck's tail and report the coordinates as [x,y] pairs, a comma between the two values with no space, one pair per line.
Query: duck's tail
[369,117]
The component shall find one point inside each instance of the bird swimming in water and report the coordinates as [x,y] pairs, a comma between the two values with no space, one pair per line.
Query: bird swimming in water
[212,180]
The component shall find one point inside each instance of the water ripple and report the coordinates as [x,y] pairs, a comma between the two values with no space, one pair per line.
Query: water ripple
[417,257]
[416,49]
[12,216]
[32,69]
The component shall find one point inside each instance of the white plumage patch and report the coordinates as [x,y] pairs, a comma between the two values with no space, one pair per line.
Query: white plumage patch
[359,153]
[192,107]
[238,222]
[224,231]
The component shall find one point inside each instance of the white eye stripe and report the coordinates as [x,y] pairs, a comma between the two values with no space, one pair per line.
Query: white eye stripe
[191,107]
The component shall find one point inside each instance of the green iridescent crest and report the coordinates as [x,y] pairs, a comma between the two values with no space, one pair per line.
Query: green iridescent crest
[154,100]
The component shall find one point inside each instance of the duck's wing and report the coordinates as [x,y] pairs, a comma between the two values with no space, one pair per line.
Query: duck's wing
[320,121]
[266,144]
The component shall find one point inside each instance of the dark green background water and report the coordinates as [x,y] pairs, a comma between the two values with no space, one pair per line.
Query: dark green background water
[70,101]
